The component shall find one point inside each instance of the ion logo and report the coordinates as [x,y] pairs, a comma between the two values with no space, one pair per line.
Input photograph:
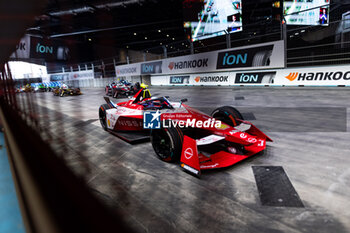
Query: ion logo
[251,57]
[263,77]
[188,153]
[151,120]
[151,68]
[180,79]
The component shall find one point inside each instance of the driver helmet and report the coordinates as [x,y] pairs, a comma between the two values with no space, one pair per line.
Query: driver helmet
[144,86]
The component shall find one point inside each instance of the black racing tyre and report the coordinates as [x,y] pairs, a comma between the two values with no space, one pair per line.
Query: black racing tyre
[228,115]
[167,143]
[102,115]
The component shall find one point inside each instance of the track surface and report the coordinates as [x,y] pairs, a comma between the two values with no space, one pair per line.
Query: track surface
[311,136]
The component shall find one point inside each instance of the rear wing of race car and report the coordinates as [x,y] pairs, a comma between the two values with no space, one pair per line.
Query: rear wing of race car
[109,102]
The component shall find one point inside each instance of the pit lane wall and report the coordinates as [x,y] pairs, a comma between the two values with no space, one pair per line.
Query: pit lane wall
[308,76]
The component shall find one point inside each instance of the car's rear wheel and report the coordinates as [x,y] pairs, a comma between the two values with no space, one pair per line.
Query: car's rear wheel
[167,143]
[102,115]
[228,115]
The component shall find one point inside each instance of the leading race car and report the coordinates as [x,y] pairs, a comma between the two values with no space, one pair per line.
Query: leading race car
[121,88]
[187,135]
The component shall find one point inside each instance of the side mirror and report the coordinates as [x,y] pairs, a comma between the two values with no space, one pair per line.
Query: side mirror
[182,101]
[166,96]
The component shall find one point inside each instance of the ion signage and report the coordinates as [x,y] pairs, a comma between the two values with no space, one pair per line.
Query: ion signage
[267,55]
[253,57]
[255,78]
[180,80]
[151,68]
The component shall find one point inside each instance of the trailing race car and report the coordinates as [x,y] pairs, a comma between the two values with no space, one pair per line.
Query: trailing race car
[65,90]
[206,142]
[122,88]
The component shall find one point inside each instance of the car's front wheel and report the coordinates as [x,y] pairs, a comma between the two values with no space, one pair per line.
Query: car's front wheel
[228,115]
[167,143]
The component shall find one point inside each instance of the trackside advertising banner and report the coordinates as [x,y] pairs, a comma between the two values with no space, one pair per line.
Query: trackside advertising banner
[261,56]
[216,79]
[85,74]
[315,76]
[127,70]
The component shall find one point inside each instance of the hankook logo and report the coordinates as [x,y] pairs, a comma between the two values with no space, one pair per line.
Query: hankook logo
[319,76]
[188,64]
[292,76]
[217,79]
[129,70]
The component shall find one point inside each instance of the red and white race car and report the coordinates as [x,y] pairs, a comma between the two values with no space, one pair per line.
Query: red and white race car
[181,133]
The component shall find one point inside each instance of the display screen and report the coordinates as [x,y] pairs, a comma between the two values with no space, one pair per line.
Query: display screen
[317,15]
[210,18]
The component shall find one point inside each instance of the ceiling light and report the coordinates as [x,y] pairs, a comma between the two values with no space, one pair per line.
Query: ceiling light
[135,33]
[302,31]
[159,30]
[173,38]
[145,37]
[167,35]
[161,43]
[89,39]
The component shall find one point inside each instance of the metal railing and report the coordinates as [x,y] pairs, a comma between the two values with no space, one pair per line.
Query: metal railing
[301,50]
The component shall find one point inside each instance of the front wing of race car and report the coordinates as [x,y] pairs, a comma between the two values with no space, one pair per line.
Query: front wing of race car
[224,150]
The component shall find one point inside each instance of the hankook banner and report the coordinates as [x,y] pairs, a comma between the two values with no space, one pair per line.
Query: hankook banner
[315,76]
[218,79]
[127,70]
[84,74]
[261,56]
